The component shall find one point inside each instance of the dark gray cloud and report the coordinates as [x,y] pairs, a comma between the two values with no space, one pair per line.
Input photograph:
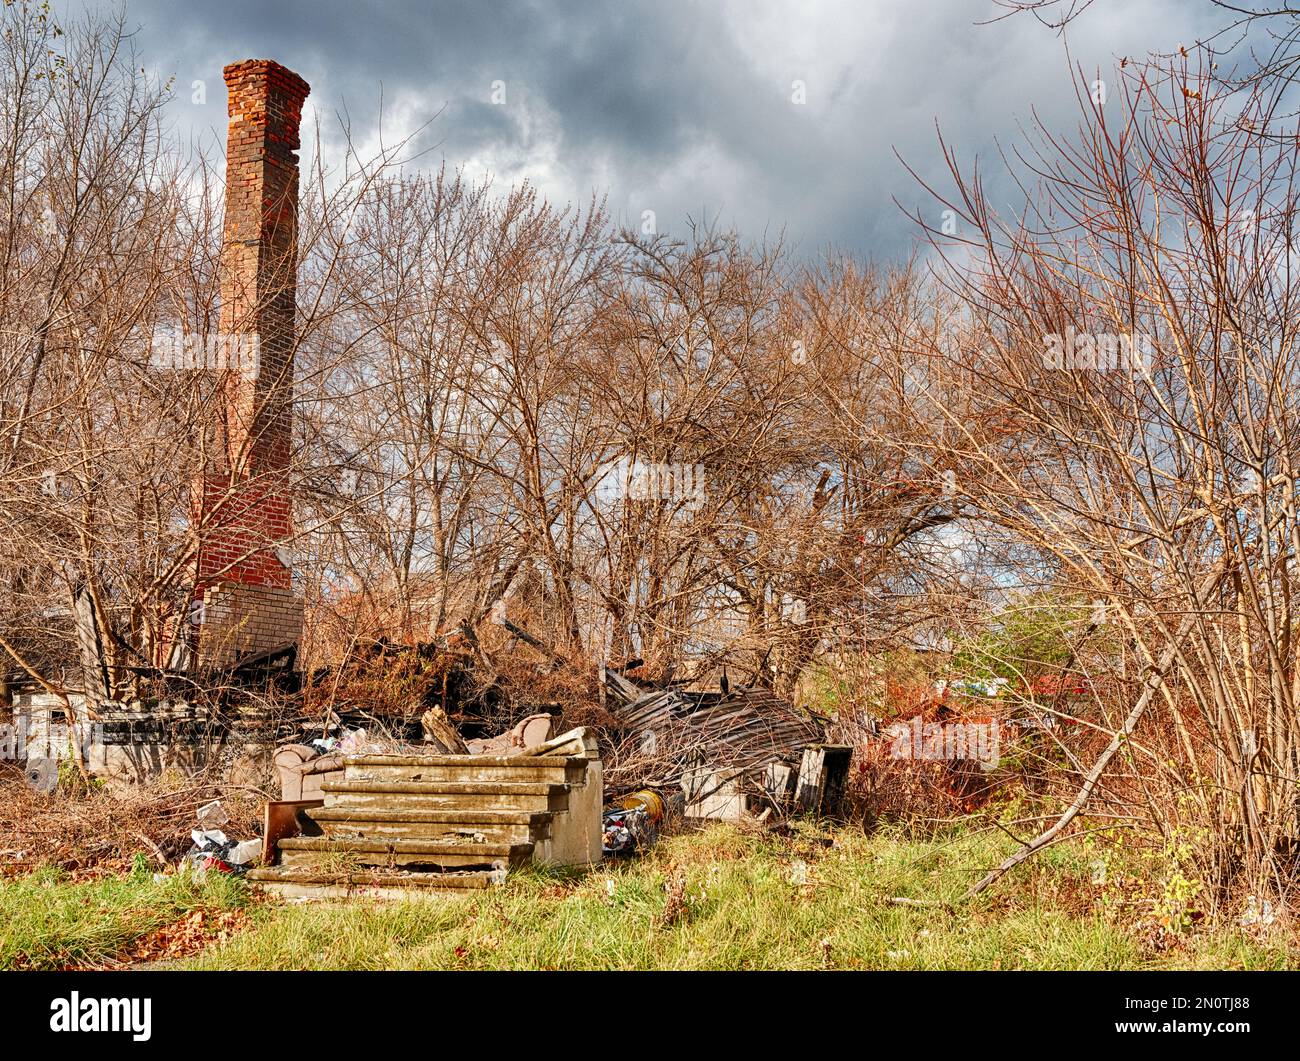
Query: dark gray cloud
[672,106]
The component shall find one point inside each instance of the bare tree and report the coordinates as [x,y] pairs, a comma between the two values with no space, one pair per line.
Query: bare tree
[1135,333]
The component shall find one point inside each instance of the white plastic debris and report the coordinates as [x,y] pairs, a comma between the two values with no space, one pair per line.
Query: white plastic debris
[354,743]
[1257,913]
[212,815]
[243,854]
[201,836]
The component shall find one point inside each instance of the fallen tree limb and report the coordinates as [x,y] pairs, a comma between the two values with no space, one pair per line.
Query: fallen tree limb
[538,644]
[157,851]
[1150,687]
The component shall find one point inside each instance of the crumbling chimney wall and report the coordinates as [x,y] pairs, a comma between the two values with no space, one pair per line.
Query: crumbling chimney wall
[244,578]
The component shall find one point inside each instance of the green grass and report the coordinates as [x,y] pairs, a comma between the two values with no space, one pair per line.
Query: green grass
[747,901]
[745,906]
[50,922]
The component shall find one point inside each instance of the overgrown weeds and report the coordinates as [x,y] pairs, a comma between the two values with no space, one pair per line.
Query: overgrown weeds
[95,831]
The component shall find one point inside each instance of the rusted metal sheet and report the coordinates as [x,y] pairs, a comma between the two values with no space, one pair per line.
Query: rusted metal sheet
[280,820]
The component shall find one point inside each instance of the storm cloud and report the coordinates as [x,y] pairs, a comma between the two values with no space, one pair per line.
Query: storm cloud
[692,110]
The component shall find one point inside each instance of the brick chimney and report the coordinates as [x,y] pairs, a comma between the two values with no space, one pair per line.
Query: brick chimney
[243,577]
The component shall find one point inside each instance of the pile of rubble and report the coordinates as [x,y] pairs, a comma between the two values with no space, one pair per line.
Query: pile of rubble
[736,753]
[421,804]
[449,812]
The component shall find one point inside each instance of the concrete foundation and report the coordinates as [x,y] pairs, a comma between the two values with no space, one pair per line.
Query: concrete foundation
[131,743]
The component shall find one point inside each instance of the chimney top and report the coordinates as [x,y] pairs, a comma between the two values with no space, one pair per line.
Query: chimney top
[270,72]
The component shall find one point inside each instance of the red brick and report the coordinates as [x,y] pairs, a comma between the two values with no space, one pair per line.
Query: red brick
[247,501]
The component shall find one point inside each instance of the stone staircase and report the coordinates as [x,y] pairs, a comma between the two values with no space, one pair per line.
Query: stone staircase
[397,825]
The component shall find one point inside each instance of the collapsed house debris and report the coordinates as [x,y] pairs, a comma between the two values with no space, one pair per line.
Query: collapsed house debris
[133,742]
[708,755]
[230,723]
[734,753]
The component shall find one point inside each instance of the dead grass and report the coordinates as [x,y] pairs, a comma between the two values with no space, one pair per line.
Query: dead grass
[188,935]
[95,831]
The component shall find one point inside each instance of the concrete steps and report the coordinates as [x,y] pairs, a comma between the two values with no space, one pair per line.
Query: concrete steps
[307,883]
[493,826]
[428,795]
[430,824]
[316,852]
[441,768]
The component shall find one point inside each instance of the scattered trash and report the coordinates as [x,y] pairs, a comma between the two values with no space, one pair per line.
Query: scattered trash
[633,825]
[245,853]
[627,830]
[1258,914]
[213,849]
[203,837]
[210,845]
[212,815]
[649,801]
[799,872]
[357,742]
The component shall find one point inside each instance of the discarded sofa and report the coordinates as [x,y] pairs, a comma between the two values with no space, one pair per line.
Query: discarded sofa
[303,771]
